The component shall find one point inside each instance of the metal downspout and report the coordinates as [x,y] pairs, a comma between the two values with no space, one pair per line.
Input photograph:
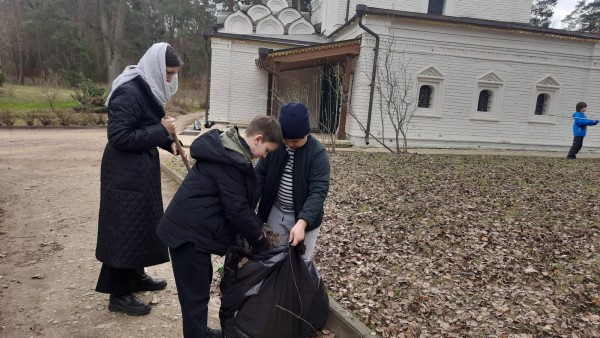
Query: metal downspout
[347,10]
[360,11]
[206,36]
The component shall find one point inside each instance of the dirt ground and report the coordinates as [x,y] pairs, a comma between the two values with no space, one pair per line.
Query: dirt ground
[49,197]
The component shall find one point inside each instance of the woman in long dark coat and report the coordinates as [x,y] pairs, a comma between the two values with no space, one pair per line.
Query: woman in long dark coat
[130,191]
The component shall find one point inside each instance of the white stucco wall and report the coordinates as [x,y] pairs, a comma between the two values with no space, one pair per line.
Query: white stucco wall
[464,55]
[505,10]
[332,13]
[238,88]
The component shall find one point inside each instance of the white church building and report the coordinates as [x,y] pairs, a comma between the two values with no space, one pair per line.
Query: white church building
[478,74]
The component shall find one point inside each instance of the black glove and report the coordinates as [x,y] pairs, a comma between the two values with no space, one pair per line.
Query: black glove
[262,245]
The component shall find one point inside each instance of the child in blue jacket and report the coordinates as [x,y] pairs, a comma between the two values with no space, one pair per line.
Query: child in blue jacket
[580,124]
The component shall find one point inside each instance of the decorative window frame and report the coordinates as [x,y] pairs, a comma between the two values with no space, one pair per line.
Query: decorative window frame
[432,77]
[494,83]
[546,85]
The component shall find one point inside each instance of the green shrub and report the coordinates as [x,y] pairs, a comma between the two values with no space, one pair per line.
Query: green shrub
[99,119]
[2,79]
[7,118]
[47,118]
[65,117]
[90,96]
[30,118]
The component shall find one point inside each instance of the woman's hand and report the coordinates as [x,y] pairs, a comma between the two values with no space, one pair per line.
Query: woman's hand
[169,124]
[185,154]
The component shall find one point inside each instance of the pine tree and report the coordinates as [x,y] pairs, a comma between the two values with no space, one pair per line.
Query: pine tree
[542,12]
[585,17]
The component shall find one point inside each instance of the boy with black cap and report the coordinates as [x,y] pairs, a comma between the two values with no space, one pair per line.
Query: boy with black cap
[293,182]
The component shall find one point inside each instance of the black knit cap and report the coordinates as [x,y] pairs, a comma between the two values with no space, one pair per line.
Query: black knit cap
[294,120]
[172,58]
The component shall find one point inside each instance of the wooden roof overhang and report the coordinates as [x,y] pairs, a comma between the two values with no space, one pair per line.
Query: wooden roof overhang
[341,52]
[307,57]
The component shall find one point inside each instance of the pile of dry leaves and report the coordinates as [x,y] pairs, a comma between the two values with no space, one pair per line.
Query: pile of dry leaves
[464,245]
[451,245]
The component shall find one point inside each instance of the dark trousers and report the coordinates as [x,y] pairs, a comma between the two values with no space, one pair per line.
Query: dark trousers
[118,281]
[193,274]
[576,147]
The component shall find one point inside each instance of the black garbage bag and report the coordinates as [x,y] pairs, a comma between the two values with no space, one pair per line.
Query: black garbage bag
[271,297]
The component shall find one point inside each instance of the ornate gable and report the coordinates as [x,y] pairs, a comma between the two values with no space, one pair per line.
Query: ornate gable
[491,77]
[548,81]
[430,72]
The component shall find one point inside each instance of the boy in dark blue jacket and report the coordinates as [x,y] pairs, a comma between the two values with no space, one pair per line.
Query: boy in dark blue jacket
[580,124]
[293,182]
[214,203]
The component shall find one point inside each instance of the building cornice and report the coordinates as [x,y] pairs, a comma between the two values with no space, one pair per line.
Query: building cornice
[478,24]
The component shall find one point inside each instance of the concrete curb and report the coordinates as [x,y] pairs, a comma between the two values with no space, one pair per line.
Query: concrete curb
[339,321]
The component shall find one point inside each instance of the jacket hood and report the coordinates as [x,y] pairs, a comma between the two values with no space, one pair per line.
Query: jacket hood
[231,140]
[221,147]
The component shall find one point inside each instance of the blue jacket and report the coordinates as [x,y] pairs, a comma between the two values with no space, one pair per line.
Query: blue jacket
[580,123]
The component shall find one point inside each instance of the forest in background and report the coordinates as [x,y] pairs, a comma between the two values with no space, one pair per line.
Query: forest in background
[94,39]
[69,41]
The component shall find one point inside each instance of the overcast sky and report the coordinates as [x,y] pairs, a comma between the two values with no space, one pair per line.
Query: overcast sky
[563,8]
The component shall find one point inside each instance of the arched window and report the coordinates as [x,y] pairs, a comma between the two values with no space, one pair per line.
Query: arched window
[485,101]
[541,106]
[436,7]
[425,96]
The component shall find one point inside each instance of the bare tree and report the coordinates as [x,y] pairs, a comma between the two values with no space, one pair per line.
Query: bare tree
[397,98]
[14,22]
[112,21]
[51,88]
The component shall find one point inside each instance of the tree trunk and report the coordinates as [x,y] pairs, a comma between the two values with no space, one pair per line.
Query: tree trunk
[112,22]
[18,51]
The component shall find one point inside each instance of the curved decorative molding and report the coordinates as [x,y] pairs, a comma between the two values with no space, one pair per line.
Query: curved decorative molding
[288,15]
[277,5]
[238,23]
[270,25]
[301,26]
[258,11]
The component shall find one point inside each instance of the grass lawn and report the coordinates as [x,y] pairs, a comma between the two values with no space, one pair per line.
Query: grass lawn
[21,99]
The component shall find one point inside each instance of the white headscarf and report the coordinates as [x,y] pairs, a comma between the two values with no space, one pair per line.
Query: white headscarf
[153,69]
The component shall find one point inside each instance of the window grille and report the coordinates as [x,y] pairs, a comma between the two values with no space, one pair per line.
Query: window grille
[425,97]
[485,101]
[541,106]
[436,7]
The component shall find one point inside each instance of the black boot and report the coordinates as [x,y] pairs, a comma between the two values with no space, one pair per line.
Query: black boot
[147,283]
[213,333]
[128,304]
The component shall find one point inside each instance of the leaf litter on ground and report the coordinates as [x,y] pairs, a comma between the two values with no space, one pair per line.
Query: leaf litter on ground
[463,245]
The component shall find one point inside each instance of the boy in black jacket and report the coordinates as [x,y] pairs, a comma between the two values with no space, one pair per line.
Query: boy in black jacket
[214,203]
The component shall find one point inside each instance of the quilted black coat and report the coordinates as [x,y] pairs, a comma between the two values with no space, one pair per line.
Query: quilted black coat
[130,190]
